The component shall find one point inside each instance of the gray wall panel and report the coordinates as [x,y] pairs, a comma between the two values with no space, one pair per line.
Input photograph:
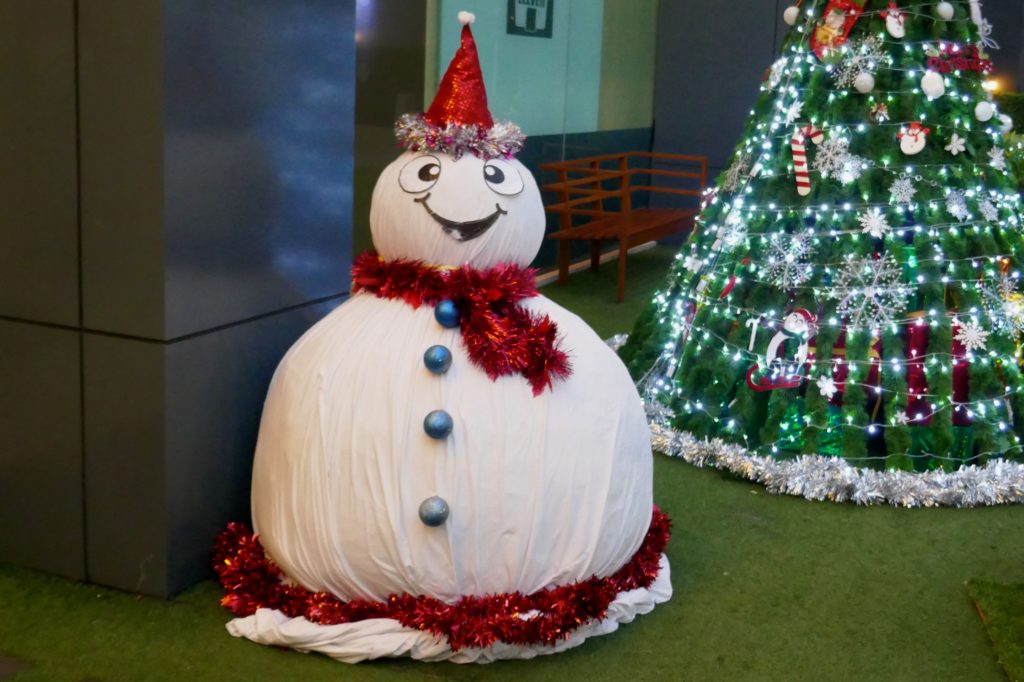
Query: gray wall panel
[38,193]
[120,61]
[258,156]
[705,86]
[1007,19]
[216,385]
[126,499]
[41,455]
[170,435]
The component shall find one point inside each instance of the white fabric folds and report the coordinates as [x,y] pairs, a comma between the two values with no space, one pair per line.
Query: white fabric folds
[543,490]
[386,638]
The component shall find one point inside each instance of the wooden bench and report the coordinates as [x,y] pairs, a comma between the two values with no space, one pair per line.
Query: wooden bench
[586,186]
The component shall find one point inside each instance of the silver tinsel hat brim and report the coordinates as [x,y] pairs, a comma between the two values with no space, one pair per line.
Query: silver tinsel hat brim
[502,140]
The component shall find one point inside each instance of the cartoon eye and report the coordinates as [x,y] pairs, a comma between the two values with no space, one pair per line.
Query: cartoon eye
[420,174]
[503,178]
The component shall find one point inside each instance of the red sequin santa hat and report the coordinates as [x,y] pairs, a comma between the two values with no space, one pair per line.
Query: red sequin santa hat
[458,121]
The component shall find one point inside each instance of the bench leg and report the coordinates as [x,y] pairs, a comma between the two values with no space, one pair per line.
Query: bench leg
[564,259]
[595,254]
[623,251]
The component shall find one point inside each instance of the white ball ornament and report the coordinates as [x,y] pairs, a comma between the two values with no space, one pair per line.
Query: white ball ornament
[944,10]
[933,85]
[984,111]
[864,83]
[791,15]
[1005,124]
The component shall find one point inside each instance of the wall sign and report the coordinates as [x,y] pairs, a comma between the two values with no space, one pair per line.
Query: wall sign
[530,18]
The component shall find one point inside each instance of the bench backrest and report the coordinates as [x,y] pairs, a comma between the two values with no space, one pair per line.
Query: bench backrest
[601,185]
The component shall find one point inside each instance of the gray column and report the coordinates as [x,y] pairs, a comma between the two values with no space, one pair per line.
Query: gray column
[212,227]
[40,394]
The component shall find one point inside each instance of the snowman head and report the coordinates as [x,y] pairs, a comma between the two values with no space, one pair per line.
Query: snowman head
[433,207]
[836,18]
[457,195]
[799,322]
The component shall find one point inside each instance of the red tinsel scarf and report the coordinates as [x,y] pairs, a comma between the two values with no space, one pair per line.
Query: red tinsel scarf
[253,582]
[501,337]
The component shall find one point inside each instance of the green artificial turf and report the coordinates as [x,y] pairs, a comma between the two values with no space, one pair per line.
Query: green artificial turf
[1001,608]
[767,588]
[591,295]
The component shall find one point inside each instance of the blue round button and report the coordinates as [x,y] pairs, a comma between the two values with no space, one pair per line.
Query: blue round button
[433,511]
[437,359]
[447,314]
[438,424]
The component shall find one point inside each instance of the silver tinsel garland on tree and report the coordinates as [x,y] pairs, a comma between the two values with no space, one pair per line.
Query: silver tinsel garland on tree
[816,477]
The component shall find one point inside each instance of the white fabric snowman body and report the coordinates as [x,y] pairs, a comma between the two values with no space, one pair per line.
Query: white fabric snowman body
[541,490]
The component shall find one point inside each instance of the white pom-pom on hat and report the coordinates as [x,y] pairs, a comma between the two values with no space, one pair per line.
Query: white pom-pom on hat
[466,17]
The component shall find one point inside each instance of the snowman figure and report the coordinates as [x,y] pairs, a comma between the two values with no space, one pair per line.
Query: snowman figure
[449,439]
[913,139]
[798,325]
[895,21]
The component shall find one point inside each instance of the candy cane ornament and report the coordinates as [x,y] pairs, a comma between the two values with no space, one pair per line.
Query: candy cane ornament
[803,175]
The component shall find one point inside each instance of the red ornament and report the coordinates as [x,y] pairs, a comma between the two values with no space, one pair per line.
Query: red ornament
[732,278]
[252,581]
[918,334]
[952,57]
[461,98]
[500,336]
[834,28]
[961,380]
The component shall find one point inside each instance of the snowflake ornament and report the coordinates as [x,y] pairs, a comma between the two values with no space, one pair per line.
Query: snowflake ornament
[870,291]
[863,56]
[827,386]
[787,265]
[776,73]
[1004,304]
[735,173]
[956,205]
[989,210]
[997,159]
[874,223]
[733,233]
[902,191]
[901,418]
[693,263]
[831,155]
[853,167]
[793,112]
[956,145]
[970,333]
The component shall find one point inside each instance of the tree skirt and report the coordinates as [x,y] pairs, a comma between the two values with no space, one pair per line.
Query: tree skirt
[817,477]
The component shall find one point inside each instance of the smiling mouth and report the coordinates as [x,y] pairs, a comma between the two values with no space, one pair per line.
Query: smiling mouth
[465,231]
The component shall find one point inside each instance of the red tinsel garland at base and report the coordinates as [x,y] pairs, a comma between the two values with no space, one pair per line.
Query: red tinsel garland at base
[252,582]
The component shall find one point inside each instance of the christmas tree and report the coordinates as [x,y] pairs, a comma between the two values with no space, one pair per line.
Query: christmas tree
[852,290]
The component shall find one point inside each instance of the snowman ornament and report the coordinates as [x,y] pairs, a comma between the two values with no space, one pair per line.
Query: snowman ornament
[913,138]
[782,372]
[451,466]
[895,21]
